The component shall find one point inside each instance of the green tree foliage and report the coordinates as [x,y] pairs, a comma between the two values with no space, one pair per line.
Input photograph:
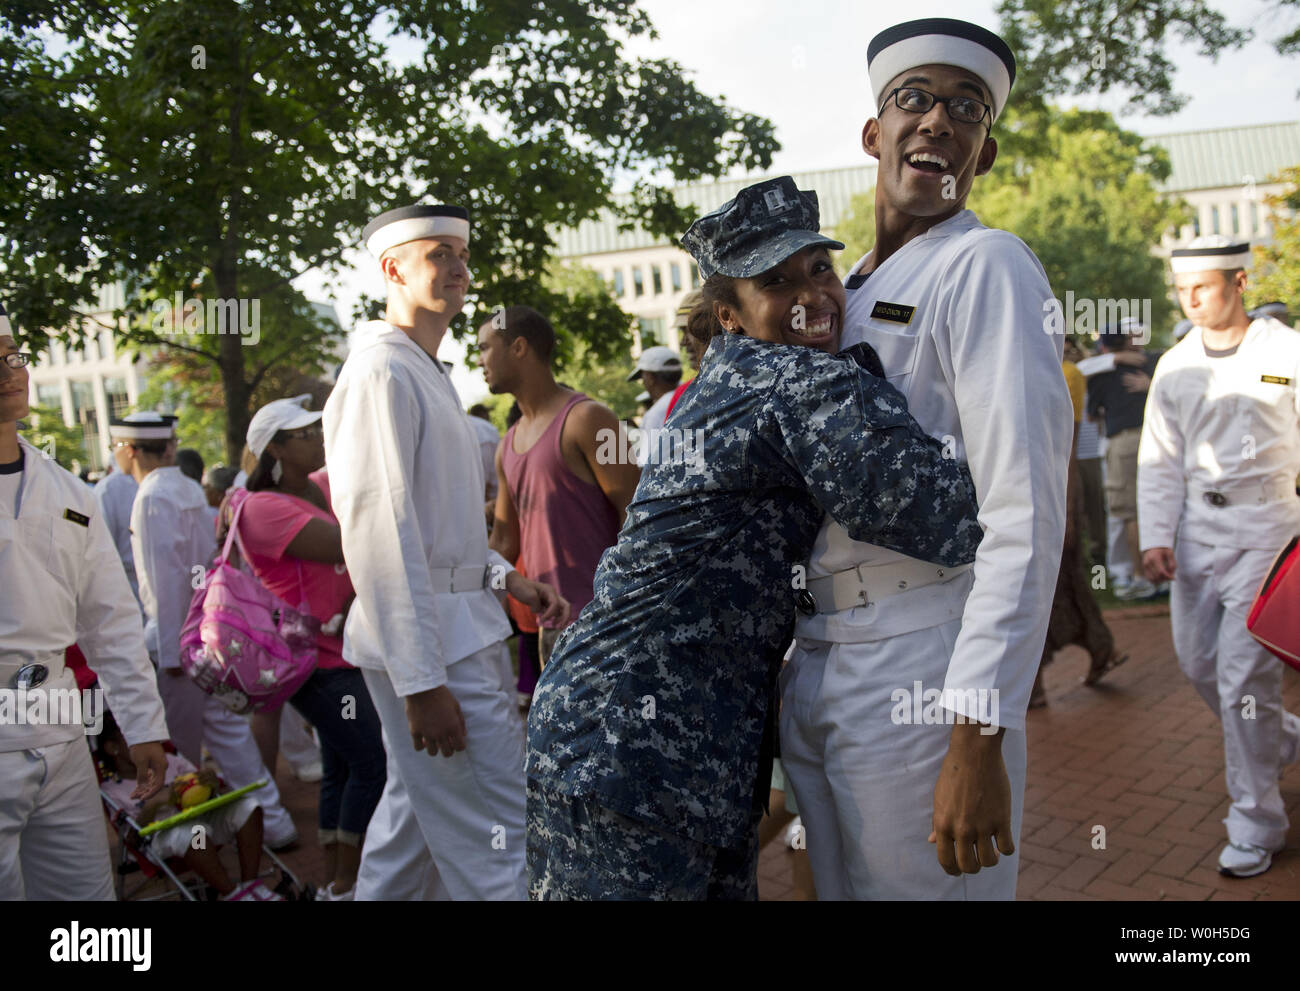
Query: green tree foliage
[230,147]
[1083,197]
[1096,46]
[1276,274]
[47,431]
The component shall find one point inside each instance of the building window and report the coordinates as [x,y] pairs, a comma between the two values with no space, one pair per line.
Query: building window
[50,397]
[119,403]
[1196,226]
[675,276]
[657,279]
[638,282]
[619,287]
[652,331]
[83,413]
[1214,220]
[695,276]
[1254,219]
[1236,219]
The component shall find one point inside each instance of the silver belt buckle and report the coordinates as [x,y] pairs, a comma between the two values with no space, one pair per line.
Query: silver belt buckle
[1216,499]
[29,676]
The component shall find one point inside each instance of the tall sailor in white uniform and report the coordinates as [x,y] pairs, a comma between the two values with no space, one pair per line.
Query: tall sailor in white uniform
[426,627]
[62,583]
[173,544]
[880,762]
[1217,467]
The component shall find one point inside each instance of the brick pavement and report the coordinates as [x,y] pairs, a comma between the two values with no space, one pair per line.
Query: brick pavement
[1140,755]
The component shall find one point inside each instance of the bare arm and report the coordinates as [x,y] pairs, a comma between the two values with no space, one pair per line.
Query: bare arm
[588,425]
[505,527]
[317,541]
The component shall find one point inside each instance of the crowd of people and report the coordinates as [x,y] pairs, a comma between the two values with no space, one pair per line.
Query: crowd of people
[825,584]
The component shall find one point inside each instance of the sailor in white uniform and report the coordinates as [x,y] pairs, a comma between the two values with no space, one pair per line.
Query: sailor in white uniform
[892,653]
[115,493]
[1217,467]
[173,544]
[62,584]
[426,627]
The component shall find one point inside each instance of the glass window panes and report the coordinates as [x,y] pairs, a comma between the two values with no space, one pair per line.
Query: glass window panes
[1214,220]
[695,276]
[675,276]
[619,287]
[638,282]
[657,279]
[652,331]
[119,403]
[1236,219]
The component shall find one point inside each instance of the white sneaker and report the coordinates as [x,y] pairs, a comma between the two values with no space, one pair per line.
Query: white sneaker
[1244,860]
[309,772]
[1138,588]
[327,894]
[252,891]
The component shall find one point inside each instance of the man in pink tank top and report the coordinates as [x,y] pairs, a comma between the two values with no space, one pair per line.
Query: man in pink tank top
[557,501]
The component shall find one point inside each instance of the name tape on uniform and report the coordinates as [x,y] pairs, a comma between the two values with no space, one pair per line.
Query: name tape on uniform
[1275,379]
[894,312]
[76,517]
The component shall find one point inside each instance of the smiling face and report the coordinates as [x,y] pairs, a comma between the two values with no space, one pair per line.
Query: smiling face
[928,161]
[1212,299]
[799,302]
[13,384]
[431,274]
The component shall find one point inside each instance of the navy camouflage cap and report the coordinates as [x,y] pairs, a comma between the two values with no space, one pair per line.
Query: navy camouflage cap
[764,225]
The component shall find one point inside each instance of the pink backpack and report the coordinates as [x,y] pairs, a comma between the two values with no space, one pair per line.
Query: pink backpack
[240,642]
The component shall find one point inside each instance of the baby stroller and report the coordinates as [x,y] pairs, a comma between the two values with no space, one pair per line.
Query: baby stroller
[136,853]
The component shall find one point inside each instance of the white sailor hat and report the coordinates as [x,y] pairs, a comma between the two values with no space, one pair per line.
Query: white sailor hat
[413,223]
[942,41]
[1208,252]
[281,414]
[145,425]
[657,359]
[6,328]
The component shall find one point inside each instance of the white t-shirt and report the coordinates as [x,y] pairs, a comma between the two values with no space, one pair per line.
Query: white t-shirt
[651,424]
[11,482]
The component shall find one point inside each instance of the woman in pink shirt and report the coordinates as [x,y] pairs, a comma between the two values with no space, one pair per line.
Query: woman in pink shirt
[292,541]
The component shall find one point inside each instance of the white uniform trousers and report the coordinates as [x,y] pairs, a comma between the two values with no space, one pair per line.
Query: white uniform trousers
[470,806]
[53,839]
[864,784]
[1210,597]
[395,861]
[196,719]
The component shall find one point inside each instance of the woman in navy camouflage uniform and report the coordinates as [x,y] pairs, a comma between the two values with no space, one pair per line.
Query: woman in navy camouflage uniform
[651,732]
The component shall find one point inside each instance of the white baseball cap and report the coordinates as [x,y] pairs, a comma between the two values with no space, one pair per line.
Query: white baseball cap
[282,414]
[657,359]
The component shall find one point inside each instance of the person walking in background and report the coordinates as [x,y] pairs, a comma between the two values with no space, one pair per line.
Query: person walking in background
[660,370]
[1118,397]
[292,539]
[1216,493]
[489,440]
[115,493]
[559,504]
[1075,618]
[173,544]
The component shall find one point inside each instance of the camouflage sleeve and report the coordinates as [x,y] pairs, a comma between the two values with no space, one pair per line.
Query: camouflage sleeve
[870,465]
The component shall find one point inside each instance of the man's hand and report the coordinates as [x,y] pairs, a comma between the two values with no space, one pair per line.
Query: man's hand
[436,721]
[150,768]
[552,610]
[1158,563]
[972,802]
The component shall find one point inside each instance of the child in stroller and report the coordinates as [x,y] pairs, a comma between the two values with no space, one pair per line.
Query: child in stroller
[195,842]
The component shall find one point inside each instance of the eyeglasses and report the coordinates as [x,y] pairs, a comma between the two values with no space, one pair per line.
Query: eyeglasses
[18,359]
[963,109]
[306,433]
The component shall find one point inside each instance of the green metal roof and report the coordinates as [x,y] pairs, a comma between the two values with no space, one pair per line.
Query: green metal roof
[1200,159]
[1228,156]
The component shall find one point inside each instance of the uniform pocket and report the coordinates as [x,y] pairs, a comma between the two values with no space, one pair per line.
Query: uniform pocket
[897,353]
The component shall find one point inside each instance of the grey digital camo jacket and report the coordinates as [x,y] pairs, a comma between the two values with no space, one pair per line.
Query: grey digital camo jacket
[657,698]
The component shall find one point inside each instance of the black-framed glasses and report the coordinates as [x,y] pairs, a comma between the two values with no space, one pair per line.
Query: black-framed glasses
[963,109]
[18,359]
